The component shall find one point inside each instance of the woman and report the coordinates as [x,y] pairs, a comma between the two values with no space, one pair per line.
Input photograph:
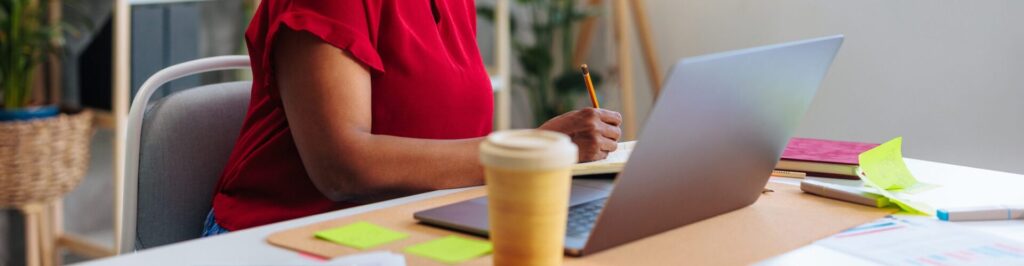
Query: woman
[361,100]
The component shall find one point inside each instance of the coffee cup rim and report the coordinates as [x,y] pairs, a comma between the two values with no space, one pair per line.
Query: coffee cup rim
[528,149]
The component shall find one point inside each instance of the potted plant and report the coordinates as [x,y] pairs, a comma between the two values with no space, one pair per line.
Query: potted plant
[44,151]
[552,83]
[25,41]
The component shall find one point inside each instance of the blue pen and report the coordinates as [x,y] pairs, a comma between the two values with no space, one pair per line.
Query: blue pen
[986,213]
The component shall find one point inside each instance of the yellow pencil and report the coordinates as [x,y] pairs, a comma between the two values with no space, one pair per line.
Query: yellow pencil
[590,86]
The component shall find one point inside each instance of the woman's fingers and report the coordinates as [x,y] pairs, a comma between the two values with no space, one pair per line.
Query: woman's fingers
[594,146]
[611,132]
[595,131]
[591,153]
[610,117]
[609,145]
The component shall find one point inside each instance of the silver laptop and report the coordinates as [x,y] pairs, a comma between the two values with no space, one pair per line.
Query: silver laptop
[708,147]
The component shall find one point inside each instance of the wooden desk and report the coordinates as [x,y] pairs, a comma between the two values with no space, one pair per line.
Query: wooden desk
[778,222]
[248,247]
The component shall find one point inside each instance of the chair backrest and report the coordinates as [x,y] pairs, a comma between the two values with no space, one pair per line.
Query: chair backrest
[174,152]
[185,143]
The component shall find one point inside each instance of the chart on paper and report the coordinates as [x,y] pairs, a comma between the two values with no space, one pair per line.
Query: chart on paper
[897,241]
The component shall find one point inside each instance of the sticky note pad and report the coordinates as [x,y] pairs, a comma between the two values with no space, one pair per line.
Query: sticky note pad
[361,235]
[451,249]
[907,205]
[883,166]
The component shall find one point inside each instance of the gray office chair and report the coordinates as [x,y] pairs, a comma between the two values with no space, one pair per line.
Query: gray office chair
[176,149]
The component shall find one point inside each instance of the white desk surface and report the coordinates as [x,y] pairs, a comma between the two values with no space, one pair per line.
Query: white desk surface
[973,186]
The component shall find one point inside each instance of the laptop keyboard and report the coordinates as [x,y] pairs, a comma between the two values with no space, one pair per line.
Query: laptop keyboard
[582,217]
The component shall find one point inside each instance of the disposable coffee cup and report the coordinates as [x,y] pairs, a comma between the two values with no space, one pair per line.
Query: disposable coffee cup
[528,175]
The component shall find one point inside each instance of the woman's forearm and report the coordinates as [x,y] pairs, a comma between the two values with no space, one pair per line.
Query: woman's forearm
[396,164]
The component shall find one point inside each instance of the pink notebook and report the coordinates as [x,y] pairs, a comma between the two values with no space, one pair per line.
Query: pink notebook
[823,158]
[825,151]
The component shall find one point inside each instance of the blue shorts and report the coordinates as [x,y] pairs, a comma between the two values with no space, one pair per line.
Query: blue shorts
[211,228]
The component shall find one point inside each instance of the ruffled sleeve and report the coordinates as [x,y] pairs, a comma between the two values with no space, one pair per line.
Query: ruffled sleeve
[350,25]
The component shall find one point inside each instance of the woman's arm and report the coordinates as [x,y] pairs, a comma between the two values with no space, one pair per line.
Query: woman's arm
[326,96]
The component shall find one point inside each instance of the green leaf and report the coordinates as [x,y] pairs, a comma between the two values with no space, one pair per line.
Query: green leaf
[536,60]
[26,39]
[571,82]
[485,12]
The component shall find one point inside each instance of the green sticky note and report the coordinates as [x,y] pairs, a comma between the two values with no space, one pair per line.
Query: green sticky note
[451,249]
[907,205]
[361,235]
[884,166]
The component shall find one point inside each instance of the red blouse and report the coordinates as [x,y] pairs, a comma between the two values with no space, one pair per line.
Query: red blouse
[428,81]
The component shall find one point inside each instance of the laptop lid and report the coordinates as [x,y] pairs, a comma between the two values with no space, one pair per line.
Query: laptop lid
[713,137]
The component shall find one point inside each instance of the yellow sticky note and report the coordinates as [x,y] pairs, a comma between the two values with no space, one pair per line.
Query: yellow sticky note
[907,205]
[361,235]
[451,249]
[883,166]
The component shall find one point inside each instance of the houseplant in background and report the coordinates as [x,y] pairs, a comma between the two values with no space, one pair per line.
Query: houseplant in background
[25,41]
[43,153]
[553,84]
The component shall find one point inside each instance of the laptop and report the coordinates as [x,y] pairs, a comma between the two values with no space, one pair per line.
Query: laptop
[708,147]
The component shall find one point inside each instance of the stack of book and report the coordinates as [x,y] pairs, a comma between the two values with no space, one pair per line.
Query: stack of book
[816,157]
[824,158]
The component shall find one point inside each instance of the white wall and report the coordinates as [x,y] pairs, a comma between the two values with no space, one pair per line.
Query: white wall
[946,75]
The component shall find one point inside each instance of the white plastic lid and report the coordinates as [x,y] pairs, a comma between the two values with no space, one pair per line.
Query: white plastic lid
[528,149]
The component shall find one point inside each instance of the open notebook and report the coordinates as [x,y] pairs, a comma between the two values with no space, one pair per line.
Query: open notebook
[613,164]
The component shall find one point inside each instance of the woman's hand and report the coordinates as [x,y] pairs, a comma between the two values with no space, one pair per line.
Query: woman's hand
[595,131]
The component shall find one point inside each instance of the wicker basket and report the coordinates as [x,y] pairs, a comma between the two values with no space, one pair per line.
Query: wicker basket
[42,159]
